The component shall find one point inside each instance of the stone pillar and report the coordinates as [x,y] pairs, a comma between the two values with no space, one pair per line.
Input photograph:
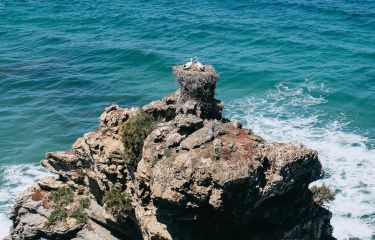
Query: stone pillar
[197,92]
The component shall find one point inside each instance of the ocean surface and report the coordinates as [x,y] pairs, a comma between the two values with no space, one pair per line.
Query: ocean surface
[299,71]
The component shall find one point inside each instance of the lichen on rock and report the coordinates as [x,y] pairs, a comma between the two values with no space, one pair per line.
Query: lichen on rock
[175,169]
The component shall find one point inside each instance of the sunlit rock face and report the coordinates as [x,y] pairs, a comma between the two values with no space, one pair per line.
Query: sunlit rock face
[199,177]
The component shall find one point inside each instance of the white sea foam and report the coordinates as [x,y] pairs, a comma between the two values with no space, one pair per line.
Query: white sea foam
[5,225]
[293,114]
[15,179]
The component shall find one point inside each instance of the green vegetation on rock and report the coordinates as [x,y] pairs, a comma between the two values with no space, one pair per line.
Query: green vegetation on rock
[322,194]
[84,202]
[118,203]
[57,214]
[134,133]
[62,198]
[79,214]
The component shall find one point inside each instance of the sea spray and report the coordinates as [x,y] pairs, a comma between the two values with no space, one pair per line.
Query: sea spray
[289,114]
[15,179]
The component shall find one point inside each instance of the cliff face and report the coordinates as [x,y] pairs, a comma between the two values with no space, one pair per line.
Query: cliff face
[199,176]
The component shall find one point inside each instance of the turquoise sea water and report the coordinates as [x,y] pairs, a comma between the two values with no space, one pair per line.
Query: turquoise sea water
[294,71]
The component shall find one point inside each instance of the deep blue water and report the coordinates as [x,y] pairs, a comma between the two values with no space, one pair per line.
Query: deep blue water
[298,71]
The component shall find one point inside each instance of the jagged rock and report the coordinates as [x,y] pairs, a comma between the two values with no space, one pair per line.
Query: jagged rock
[165,108]
[200,177]
[34,206]
[203,135]
[30,214]
[230,174]
[113,116]
[94,231]
[50,183]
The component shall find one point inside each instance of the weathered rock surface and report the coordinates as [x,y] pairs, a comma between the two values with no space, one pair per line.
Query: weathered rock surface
[223,182]
[199,178]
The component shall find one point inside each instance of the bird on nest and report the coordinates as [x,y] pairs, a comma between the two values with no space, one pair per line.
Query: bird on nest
[195,64]
[199,66]
[188,64]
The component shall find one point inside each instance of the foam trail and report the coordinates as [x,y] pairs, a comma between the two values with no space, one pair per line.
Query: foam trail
[15,179]
[293,114]
[5,225]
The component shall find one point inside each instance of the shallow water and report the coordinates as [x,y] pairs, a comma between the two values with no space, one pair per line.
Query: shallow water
[299,71]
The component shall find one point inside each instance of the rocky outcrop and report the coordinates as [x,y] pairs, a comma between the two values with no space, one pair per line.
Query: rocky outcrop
[199,177]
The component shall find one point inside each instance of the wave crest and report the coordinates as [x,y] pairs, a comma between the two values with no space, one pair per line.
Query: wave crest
[296,114]
[15,179]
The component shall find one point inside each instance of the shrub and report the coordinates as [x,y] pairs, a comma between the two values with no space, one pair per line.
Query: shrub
[322,194]
[57,214]
[84,202]
[118,203]
[63,196]
[134,133]
[79,214]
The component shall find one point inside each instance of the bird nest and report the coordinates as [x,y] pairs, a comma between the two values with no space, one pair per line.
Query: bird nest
[197,85]
[207,74]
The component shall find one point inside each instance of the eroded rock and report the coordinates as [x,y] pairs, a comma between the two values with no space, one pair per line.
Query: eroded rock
[200,177]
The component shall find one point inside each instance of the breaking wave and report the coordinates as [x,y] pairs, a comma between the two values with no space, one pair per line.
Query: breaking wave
[15,179]
[294,114]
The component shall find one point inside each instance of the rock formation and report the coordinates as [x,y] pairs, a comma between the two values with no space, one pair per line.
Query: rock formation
[199,176]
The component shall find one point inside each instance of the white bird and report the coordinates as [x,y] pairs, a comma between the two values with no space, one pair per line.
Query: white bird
[188,64]
[198,65]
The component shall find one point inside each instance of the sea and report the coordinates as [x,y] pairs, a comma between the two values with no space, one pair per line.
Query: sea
[300,71]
